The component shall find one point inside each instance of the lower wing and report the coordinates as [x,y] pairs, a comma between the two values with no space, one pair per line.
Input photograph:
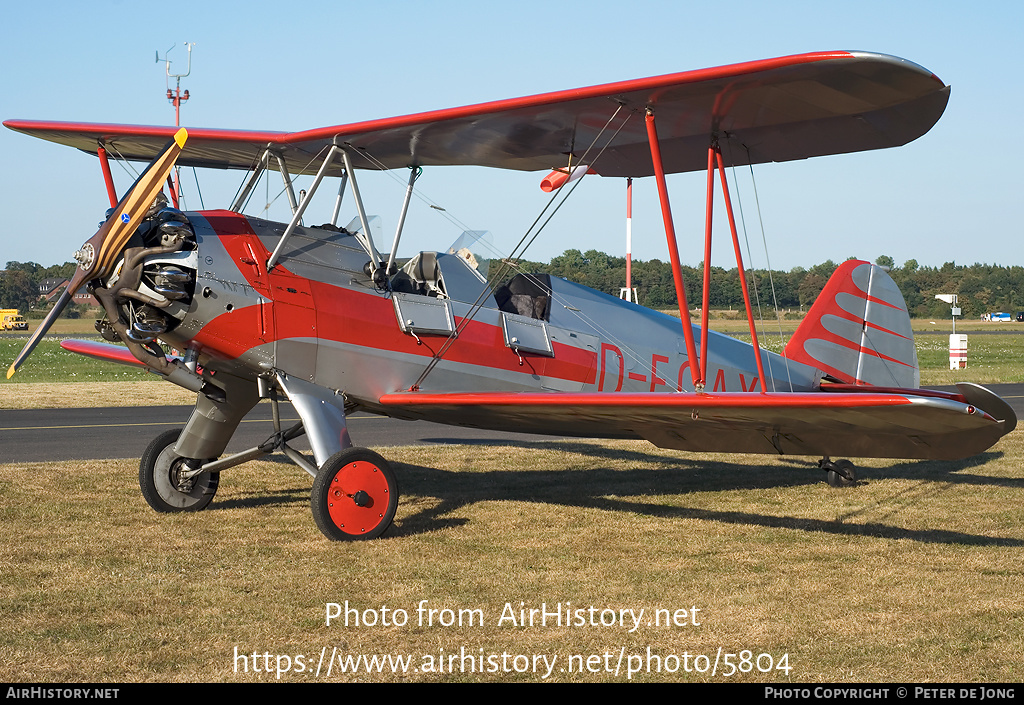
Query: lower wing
[857,421]
[847,420]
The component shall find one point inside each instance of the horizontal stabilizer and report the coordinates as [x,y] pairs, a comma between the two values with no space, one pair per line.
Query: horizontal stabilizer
[102,351]
[106,352]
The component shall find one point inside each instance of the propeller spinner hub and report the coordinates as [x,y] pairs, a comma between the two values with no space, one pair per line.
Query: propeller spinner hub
[85,256]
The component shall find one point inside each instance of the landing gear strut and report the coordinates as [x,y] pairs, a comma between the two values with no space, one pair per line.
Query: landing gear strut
[841,473]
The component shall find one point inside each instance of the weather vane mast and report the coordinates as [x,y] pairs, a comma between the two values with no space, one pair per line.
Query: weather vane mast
[176,97]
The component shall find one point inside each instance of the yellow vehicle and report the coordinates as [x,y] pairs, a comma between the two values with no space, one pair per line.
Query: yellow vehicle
[10,319]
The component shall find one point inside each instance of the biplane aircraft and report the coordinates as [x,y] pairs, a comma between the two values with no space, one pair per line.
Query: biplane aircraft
[318,315]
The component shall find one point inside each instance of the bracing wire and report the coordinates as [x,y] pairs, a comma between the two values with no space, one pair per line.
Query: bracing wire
[299,172]
[750,259]
[199,191]
[768,262]
[268,202]
[551,207]
[418,193]
[123,161]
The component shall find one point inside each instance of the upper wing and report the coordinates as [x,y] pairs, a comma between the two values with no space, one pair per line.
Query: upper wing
[781,109]
[854,422]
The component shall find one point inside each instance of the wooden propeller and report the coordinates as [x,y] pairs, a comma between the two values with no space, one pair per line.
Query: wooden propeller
[100,253]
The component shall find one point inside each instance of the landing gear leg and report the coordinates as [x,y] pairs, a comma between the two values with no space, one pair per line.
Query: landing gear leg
[841,473]
[354,496]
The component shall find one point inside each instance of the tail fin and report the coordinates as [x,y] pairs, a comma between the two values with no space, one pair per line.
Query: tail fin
[858,330]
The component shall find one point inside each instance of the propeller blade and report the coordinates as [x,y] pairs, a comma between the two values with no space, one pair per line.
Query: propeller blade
[41,330]
[98,255]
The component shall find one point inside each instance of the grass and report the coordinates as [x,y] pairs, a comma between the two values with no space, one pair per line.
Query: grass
[914,575]
[53,395]
[992,359]
[51,363]
[53,377]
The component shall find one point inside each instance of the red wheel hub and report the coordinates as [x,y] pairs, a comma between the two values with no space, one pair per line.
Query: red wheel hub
[358,476]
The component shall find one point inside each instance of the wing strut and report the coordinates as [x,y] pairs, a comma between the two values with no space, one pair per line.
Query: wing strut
[366,238]
[257,172]
[415,173]
[173,191]
[297,215]
[717,151]
[286,177]
[673,250]
[699,366]
[337,201]
[108,178]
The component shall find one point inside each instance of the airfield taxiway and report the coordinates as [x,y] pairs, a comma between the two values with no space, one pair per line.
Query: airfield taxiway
[45,435]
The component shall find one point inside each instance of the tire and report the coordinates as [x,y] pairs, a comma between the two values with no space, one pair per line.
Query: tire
[157,471]
[837,479]
[354,496]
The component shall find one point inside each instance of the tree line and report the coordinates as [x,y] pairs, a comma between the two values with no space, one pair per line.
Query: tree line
[982,288]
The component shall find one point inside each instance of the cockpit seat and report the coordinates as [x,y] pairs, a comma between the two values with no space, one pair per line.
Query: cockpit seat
[420,275]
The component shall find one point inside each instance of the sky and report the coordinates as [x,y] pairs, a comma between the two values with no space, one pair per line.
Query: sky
[951,195]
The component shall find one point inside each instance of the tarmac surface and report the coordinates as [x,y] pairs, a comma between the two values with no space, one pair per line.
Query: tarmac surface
[46,435]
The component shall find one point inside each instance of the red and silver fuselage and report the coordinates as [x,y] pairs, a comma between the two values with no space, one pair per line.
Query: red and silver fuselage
[319,317]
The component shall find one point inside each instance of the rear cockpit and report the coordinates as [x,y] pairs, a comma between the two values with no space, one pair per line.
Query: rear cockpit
[526,295]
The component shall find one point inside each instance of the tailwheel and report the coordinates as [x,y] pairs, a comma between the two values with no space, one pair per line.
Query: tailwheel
[841,473]
[164,481]
[354,496]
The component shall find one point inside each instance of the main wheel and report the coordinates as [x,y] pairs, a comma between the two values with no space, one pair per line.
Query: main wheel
[160,483]
[842,473]
[354,496]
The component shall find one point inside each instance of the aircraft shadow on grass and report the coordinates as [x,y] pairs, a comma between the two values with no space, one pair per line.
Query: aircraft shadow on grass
[658,475]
